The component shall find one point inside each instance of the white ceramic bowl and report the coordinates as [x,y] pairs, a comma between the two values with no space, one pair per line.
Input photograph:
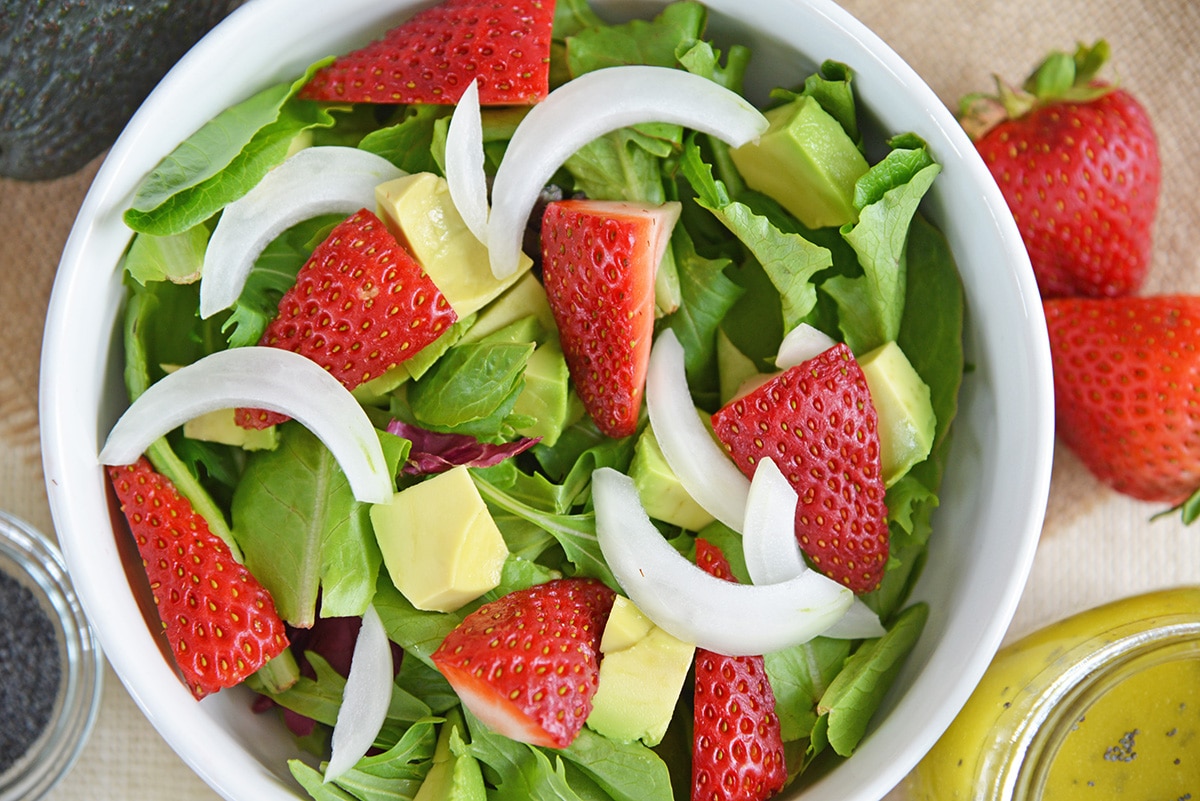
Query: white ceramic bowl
[994,498]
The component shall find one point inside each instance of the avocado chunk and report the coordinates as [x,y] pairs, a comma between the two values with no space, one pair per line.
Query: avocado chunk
[902,401]
[417,209]
[806,162]
[439,542]
[221,426]
[545,396]
[663,497]
[642,671]
[455,775]
[526,297]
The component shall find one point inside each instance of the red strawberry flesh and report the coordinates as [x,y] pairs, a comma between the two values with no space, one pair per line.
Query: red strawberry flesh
[1126,390]
[361,304]
[433,57]
[220,622]
[818,423]
[737,753]
[527,664]
[599,260]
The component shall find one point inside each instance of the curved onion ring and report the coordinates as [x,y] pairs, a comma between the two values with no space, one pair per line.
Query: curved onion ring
[718,615]
[365,699]
[261,378]
[802,343]
[704,470]
[317,180]
[588,107]
[465,176]
[773,555]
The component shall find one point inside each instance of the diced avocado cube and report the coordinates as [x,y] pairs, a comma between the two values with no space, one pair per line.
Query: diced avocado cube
[902,402]
[221,426]
[806,162]
[663,497]
[641,675]
[439,542]
[527,296]
[417,209]
[545,396]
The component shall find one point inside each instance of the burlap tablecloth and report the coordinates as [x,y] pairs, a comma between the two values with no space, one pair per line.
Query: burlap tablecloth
[1096,545]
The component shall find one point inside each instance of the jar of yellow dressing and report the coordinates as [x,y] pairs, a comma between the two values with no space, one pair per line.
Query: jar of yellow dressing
[1103,705]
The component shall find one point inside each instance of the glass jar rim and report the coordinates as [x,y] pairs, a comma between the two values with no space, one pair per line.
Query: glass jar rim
[37,564]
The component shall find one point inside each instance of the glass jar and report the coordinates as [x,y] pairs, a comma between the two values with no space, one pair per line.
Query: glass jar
[51,668]
[1094,706]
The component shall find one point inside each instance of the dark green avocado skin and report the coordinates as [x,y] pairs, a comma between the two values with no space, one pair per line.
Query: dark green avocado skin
[72,73]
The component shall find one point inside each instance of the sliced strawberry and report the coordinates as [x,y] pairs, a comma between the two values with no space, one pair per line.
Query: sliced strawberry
[599,259]
[528,663]
[817,422]
[360,305]
[220,622]
[737,751]
[432,57]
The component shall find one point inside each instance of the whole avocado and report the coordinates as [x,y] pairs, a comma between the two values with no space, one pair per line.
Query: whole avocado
[72,72]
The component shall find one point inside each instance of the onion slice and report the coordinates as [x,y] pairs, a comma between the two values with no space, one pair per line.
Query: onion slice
[715,614]
[704,470]
[262,378]
[773,555]
[802,343]
[465,176]
[588,107]
[316,180]
[365,699]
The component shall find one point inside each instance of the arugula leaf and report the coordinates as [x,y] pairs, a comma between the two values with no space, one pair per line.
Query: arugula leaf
[302,530]
[856,692]
[398,771]
[788,259]
[408,143]
[575,533]
[519,771]
[224,159]
[638,41]
[872,305]
[313,782]
[273,274]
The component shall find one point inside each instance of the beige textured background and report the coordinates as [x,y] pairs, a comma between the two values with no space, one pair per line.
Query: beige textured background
[1096,545]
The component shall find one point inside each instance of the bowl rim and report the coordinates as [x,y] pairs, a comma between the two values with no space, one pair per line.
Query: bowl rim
[76,489]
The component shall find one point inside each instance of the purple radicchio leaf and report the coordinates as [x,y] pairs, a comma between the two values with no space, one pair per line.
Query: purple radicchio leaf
[436,452]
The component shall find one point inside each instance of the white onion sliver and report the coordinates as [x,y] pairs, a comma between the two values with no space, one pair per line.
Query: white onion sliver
[588,107]
[715,614]
[704,470]
[365,699]
[801,344]
[315,181]
[773,555]
[262,378]
[465,176]
[769,535]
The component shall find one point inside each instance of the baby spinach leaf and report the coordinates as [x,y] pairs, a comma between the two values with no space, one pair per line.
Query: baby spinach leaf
[799,676]
[625,771]
[519,771]
[470,383]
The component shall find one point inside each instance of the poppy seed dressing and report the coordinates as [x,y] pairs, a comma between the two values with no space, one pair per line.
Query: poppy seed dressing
[30,670]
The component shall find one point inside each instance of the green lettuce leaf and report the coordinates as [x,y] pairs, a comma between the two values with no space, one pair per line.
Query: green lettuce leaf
[653,42]
[799,676]
[303,532]
[224,159]
[408,143]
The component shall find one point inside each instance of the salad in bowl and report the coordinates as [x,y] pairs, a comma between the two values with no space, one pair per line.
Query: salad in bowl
[517,404]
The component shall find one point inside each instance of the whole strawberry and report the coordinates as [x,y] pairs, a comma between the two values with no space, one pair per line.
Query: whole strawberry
[1077,161]
[220,622]
[528,663]
[1127,390]
[737,750]
[817,421]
